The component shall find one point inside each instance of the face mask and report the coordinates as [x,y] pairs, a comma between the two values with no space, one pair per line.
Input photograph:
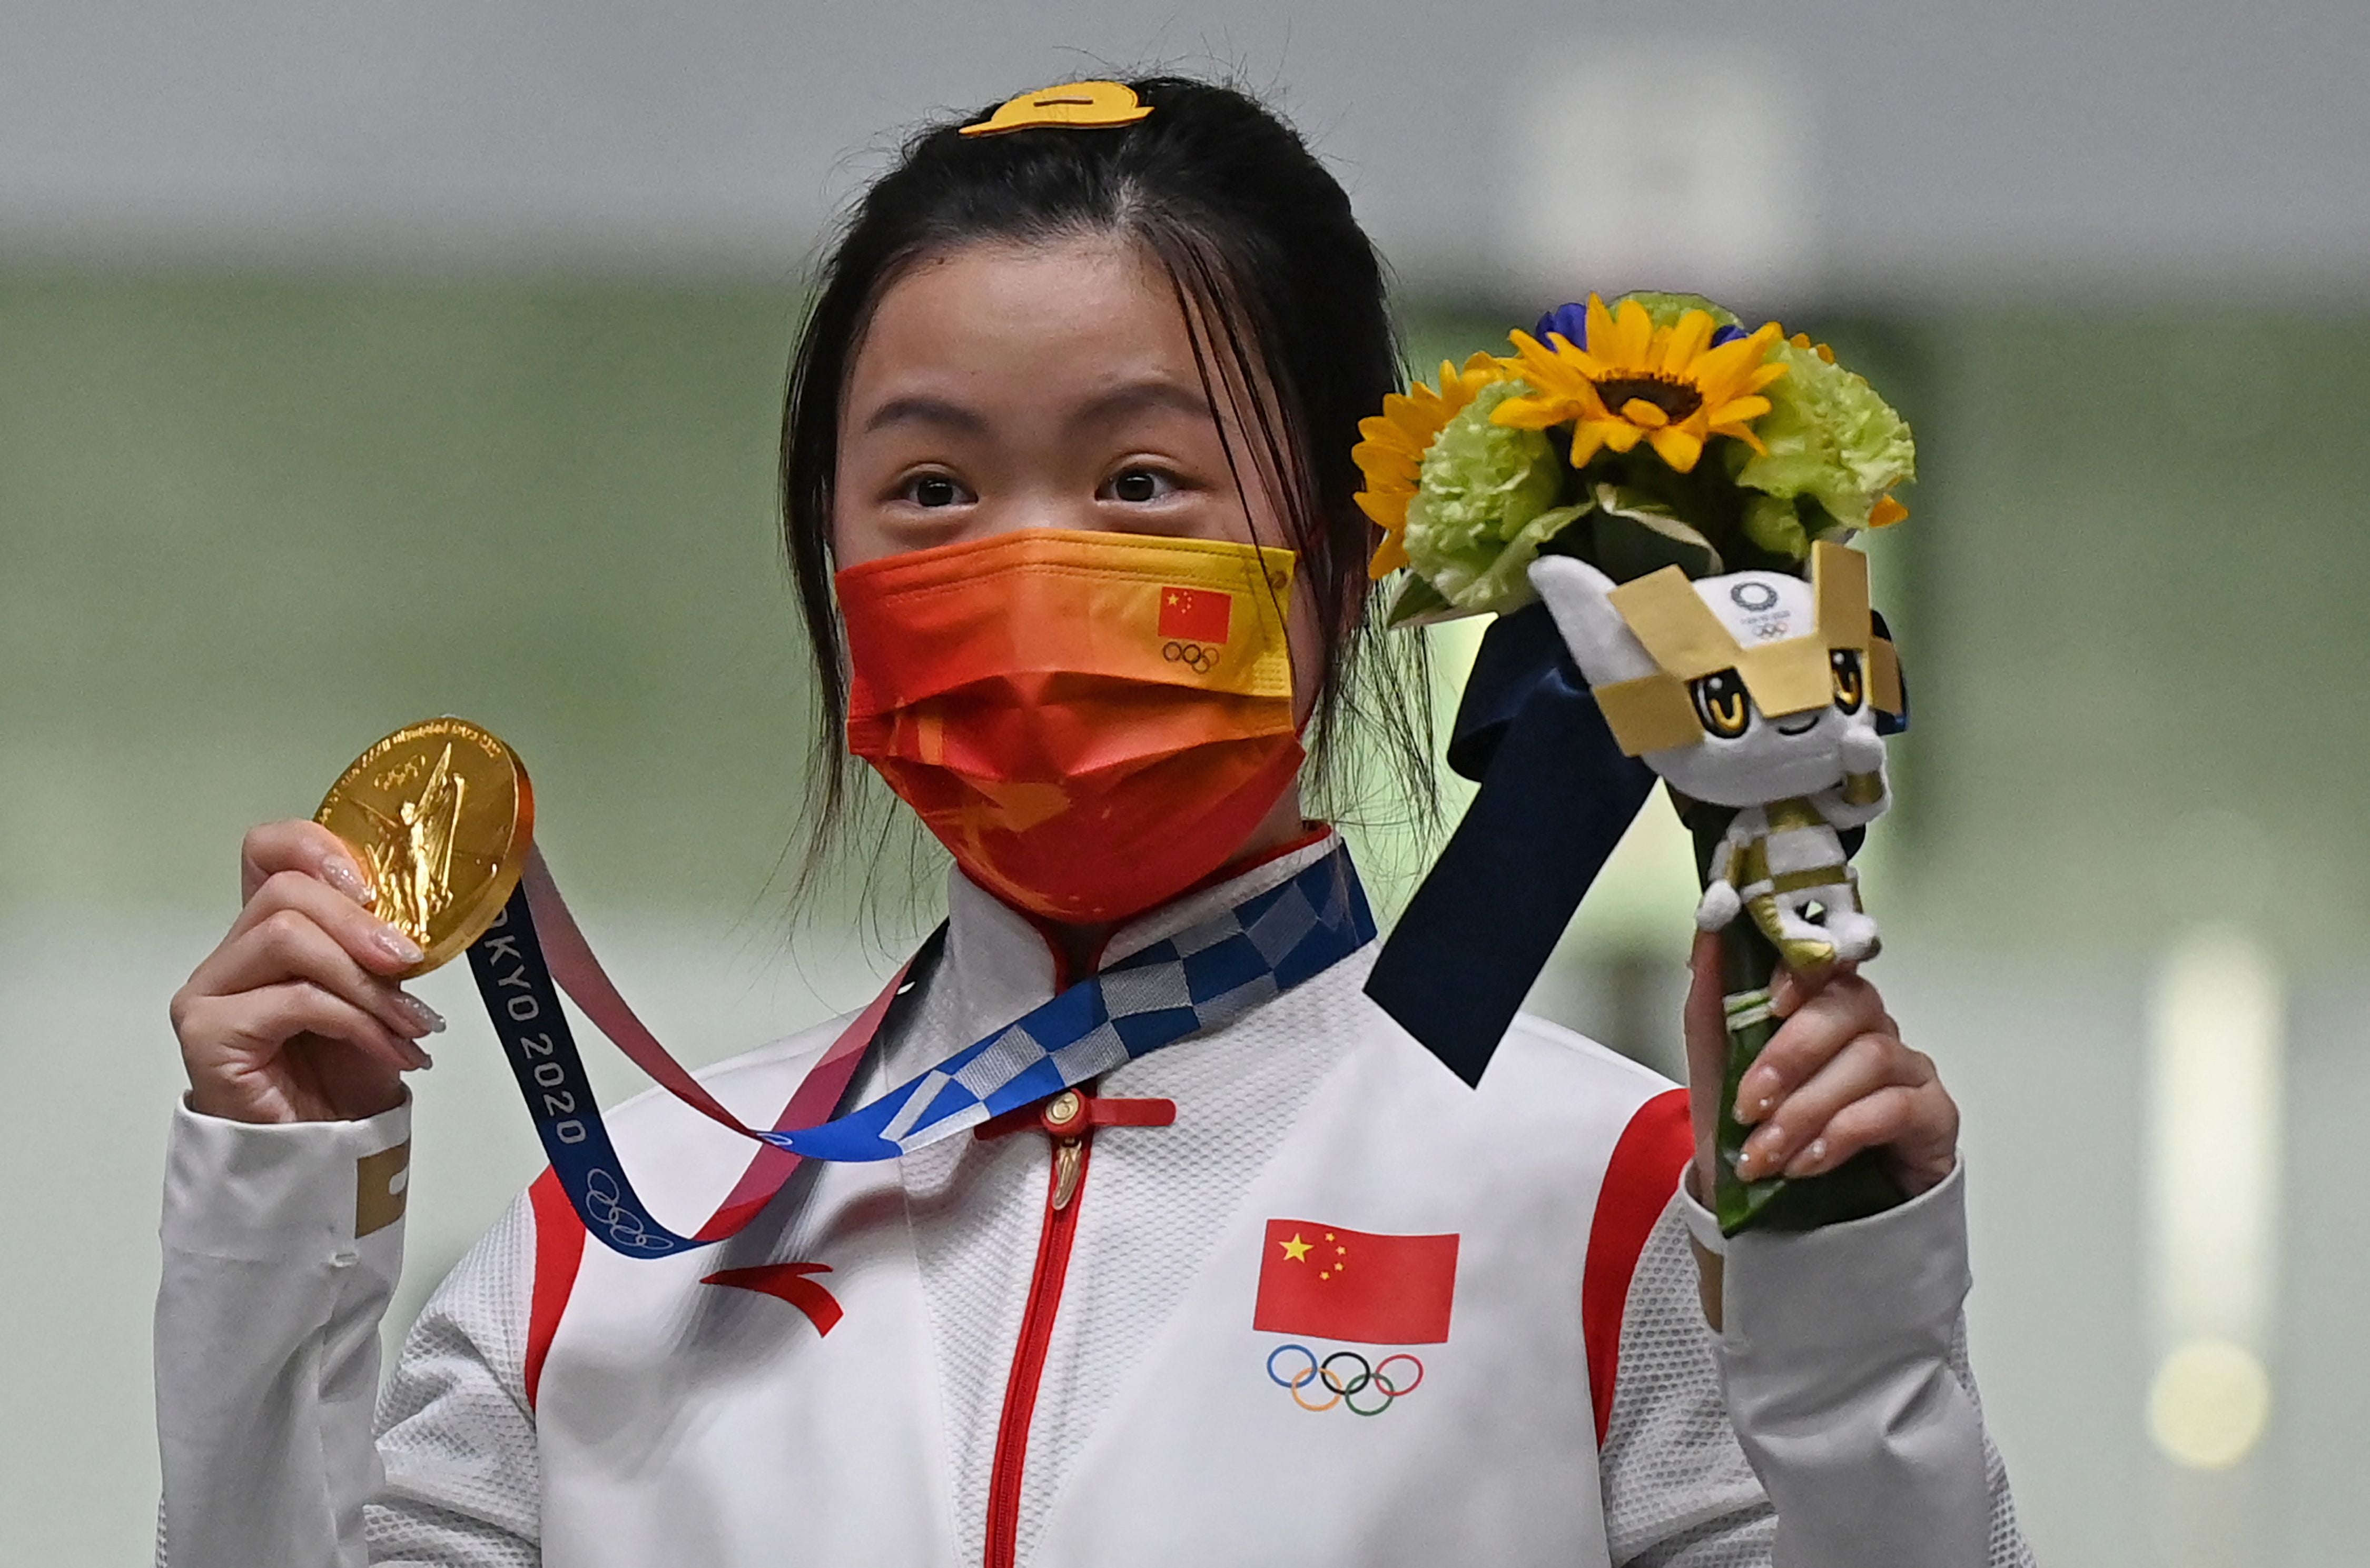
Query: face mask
[1091,722]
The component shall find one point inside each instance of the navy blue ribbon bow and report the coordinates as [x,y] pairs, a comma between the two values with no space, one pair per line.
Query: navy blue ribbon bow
[1557,795]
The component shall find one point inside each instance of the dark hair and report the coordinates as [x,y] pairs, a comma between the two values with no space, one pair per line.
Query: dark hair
[1283,296]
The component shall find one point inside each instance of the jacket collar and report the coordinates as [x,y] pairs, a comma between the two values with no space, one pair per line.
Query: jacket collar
[999,965]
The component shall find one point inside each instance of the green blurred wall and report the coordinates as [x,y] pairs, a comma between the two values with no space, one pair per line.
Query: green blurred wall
[249,523]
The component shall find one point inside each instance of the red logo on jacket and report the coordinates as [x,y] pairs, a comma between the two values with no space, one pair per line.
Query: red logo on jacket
[788,1281]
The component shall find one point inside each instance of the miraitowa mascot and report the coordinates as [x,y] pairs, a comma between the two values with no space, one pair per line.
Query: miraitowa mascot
[1756,690]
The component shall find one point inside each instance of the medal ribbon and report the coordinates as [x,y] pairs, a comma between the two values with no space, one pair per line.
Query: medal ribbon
[1204,976]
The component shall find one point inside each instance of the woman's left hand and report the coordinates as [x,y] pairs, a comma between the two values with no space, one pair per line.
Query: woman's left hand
[1835,1079]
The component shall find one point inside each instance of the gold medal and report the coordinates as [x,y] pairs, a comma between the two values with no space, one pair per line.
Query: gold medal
[441,820]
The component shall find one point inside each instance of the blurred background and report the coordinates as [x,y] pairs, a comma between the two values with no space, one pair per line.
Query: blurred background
[359,363]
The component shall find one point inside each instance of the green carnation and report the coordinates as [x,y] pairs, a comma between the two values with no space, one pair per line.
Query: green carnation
[1484,505]
[1665,310]
[1830,438]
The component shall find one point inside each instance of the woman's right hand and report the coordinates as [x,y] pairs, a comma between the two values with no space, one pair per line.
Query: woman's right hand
[296,1017]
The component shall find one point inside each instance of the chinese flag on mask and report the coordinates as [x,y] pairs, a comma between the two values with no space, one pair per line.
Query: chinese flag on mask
[1196,614]
[1332,1283]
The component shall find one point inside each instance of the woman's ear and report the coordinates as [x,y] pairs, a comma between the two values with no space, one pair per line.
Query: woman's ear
[1580,599]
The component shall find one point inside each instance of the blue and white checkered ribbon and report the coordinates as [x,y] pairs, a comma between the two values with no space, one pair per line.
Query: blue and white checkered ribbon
[1195,981]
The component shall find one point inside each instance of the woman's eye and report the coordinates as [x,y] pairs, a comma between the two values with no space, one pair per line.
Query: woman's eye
[1849,691]
[934,490]
[1139,484]
[1721,704]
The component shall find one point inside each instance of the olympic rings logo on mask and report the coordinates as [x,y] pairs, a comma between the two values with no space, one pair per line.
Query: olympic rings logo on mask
[1344,1387]
[603,1196]
[1192,655]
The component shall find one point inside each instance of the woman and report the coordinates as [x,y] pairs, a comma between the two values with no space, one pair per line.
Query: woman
[1057,374]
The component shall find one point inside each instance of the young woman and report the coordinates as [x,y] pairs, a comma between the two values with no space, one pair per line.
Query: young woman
[1068,493]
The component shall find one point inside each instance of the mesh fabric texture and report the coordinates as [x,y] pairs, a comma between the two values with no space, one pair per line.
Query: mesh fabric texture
[1678,1490]
[464,1482]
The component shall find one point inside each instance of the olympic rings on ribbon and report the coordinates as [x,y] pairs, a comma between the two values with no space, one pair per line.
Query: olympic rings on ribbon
[1344,1388]
[1192,655]
[605,1197]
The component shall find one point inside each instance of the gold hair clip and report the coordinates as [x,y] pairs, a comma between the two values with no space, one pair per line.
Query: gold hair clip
[1077,105]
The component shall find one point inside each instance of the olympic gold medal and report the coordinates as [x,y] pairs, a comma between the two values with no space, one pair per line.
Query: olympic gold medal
[441,818]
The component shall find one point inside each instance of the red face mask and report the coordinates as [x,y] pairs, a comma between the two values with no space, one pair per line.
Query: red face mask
[1091,722]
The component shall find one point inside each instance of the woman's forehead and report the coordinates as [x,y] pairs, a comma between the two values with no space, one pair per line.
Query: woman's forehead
[1058,320]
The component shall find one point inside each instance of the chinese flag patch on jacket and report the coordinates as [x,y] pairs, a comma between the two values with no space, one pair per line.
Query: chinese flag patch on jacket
[1196,614]
[1332,1283]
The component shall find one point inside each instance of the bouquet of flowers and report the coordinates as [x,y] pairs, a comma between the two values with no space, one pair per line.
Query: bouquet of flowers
[1680,489]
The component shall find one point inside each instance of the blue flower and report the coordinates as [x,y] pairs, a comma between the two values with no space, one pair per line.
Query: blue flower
[1729,334]
[1569,320]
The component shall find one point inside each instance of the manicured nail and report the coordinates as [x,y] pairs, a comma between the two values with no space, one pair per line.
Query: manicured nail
[425,1061]
[420,1013]
[339,873]
[1760,1150]
[397,946]
[1808,1162]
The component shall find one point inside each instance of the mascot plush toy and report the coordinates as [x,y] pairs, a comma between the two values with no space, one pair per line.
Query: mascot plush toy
[1757,691]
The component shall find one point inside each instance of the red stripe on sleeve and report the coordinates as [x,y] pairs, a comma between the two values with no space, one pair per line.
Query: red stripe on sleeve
[1643,1174]
[559,1249]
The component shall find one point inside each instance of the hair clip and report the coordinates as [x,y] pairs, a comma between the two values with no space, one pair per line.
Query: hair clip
[1075,106]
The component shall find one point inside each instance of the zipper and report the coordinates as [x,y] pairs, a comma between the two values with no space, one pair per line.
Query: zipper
[1066,1110]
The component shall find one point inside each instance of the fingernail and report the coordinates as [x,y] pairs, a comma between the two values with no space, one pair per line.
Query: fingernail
[425,1061]
[397,946]
[421,1012]
[339,873]
[1761,1149]
[1808,1162]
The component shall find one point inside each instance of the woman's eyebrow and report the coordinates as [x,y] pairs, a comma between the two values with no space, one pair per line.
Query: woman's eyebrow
[927,411]
[1137,397]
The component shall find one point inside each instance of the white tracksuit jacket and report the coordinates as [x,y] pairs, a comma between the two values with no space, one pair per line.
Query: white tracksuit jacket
[974,1377]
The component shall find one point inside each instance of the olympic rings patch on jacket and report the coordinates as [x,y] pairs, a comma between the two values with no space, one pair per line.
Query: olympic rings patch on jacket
[1346,1377]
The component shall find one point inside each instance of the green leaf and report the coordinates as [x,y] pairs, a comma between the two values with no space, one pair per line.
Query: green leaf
[1776,525]
[1418,603]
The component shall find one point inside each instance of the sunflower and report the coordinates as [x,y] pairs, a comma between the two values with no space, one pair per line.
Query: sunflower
[1632,382]
[1391,455]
